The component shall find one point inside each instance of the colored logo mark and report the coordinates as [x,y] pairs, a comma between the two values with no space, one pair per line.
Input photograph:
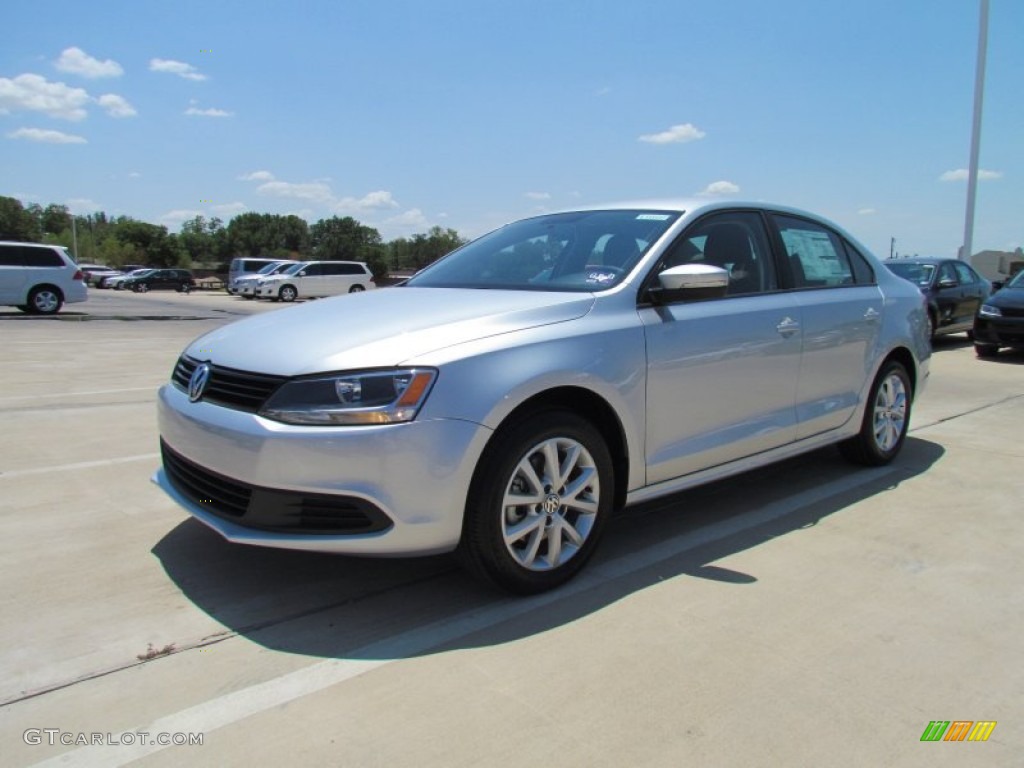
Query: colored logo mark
[958,730]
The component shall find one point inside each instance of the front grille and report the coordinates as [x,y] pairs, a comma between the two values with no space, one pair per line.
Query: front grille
[268,509]
[241,390]
[1012,311]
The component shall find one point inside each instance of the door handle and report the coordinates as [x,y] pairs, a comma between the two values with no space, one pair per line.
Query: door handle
[787,327]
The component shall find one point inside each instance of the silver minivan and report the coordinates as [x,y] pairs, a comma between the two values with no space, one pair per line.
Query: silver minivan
[38,278]
[502,402]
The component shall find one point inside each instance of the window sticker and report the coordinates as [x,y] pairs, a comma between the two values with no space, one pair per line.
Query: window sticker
[597,276]
[653,217]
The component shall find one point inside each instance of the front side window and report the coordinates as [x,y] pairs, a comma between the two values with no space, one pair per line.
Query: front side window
[581,252]
[817,257]
[966,274]
[736,242]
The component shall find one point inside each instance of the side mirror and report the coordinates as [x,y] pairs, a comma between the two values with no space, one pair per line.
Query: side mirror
[947,283]
[302,273]
[690,282]
[997,285]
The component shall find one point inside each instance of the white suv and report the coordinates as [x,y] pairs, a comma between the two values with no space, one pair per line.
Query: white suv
[38,278]
[313,279]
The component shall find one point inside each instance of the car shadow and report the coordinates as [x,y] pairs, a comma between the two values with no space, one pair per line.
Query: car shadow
[336,607]
[1006,357]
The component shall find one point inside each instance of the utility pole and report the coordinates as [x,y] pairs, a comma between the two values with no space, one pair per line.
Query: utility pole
[972,171]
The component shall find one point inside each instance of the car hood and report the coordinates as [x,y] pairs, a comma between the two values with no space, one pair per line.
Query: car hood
[1007,297]
[379,328]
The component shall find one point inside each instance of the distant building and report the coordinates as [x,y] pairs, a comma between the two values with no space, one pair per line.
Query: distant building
[998,265]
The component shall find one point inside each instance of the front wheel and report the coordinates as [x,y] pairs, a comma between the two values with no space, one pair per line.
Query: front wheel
[356,289]
[140,288]
[287,293]
[538,503]
[886,419]
[986,350]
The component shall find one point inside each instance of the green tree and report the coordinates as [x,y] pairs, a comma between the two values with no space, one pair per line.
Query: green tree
[345,239]
[55,219]
[17,223]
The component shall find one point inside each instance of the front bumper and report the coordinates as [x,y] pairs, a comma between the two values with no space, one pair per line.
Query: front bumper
[408,482]
[1001,331]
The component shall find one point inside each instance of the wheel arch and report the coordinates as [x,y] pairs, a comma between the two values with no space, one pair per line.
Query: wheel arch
[593,408]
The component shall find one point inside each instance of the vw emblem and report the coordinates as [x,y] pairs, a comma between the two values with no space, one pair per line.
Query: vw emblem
[197,383]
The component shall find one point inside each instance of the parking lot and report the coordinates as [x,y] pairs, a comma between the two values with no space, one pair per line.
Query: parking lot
[807,614]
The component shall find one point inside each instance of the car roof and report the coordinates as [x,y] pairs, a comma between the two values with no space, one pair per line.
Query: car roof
[919,260]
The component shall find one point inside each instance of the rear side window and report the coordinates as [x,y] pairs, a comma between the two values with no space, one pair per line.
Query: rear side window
[817,256]
[862,271]
[350,269]
[41,257]
[10,256]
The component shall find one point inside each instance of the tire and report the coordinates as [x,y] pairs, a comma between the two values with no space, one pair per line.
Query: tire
[986,350]
[547,536]
[932,326]
[45,300]
[248,298]
[140,287]
[287,293]
[886,419]
[356,289]
[24,307]
[183,288]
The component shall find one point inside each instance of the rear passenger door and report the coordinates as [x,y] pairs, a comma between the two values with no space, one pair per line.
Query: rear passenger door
[841,311]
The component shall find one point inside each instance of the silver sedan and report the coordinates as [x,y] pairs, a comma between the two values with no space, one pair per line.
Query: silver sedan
[503,401]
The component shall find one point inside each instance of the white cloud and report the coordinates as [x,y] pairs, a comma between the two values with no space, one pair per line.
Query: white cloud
[34,93]
[257,176]
[412,218]
[229,209]
[716,188]
[677,134]
[46,137]
[867,211]
[179,68]
[538,195]
[310,191]
[78,62]
[374,201]
[180,215]
[961,175]
[82,205]
[209,113]
[116,106]
[603,91]
[134,175]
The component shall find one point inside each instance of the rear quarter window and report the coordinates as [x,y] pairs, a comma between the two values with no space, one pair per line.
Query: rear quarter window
[41,257]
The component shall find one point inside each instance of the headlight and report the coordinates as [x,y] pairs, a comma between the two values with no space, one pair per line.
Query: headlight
[988,310]
[369,397]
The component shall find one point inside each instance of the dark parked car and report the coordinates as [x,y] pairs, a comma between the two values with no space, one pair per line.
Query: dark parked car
[180,280]
[953,289]
[1000,321]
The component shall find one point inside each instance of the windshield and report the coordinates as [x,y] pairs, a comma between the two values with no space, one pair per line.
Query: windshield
[140,272]
[269,269]
[915,273]
[582,251]
[1017,281]
[294,268]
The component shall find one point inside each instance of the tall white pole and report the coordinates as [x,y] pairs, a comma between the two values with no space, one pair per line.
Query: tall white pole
[972,171]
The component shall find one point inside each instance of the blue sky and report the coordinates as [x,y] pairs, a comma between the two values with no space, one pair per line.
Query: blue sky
[470,113]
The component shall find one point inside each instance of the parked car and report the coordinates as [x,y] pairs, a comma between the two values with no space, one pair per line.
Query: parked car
[96,272]
[38,278]
[1000,321]
[243,266]
[179,280]
[953,289]
[117,282]
[246,285]
[505,399]
[316,279]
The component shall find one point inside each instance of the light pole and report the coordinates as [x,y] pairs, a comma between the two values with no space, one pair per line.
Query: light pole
[972,171]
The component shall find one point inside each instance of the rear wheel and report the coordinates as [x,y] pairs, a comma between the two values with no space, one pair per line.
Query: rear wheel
[45,300]
[140,288]
[539,500]
[886,419]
